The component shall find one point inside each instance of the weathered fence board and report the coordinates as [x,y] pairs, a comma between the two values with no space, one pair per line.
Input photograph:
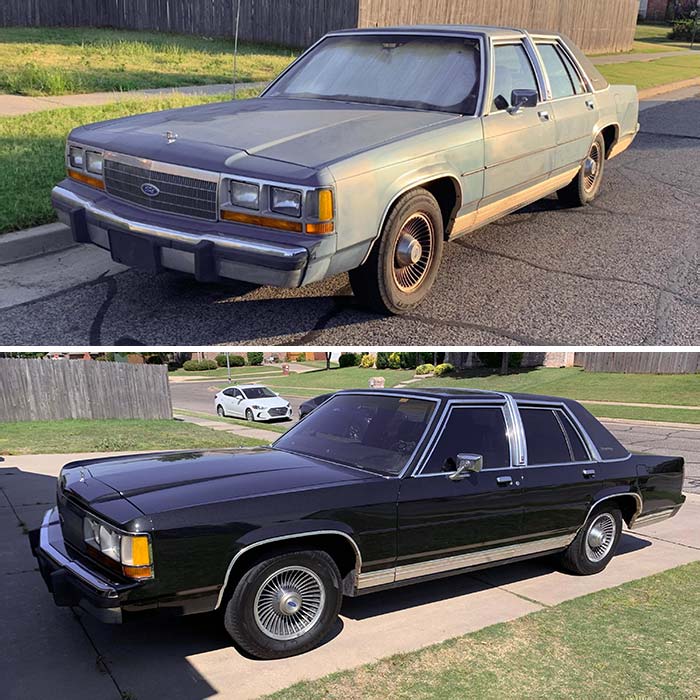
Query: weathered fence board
[639,362]
[61,389]
[596,25]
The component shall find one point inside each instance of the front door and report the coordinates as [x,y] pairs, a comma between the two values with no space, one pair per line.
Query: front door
[445,524]
[518,145]
[574,108]
[561,477]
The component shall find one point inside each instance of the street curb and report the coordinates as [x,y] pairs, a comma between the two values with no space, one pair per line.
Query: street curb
[648,93]
[20,245]
[659,423]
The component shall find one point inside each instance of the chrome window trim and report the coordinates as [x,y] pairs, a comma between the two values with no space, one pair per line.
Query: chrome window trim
[310,533]
[496,399]
[370,392]
[559,409]
[460,561]
[481,38]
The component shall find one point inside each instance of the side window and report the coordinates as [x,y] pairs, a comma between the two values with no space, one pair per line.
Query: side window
[559,78]
[579,85]
[546,441]
[477,430]
[229,392]
[237,394]
[513,71]
[578,449]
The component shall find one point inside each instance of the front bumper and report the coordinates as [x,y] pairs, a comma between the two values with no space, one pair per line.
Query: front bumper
[264,414]
[211,251]
[71,583]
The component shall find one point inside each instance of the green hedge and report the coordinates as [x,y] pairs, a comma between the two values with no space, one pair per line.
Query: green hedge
[683,30]
[349,359]
[199,365]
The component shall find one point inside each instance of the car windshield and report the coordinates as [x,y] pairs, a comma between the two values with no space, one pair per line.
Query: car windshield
[258,392]
[420,72]
[376,433]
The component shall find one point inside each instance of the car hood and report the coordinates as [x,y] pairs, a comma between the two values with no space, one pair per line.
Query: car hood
[270,402]
[169,480]
[306,132]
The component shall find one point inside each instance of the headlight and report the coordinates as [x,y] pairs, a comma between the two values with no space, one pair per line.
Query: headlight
[286,202]
[257,408]
[132,553]
[93,162]
[76,157]
[245,194]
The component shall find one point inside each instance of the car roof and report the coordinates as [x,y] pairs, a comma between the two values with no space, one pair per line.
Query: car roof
[490,31]
[466,393]
[246,386]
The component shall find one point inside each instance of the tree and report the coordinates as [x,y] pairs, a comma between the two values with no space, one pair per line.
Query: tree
[328,359]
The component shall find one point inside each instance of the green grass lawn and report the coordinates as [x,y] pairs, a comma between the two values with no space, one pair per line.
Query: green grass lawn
[281,427]
[219,372]
[639,640]
[54,437]
[668,415]
[334,379]
[647,74]
[32,152]
[653,38]
[64,61]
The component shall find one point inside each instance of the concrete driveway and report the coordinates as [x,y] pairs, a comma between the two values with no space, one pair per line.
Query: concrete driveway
[48,648]
[620,272]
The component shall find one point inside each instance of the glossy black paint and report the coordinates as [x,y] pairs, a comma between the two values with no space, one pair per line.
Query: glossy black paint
[202,507]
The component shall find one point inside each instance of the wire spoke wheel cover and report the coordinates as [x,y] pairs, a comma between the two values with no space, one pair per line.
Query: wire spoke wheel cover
[591,167]
[413,252]
[289,603]
[600,537]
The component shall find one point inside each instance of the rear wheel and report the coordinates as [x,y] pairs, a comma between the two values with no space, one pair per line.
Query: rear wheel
[220,411]
[249,415]
[403,264]
[584,188]
[596,542]
[285,605]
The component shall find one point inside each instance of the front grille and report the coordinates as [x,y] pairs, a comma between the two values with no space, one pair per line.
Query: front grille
[278,411]
[178,194]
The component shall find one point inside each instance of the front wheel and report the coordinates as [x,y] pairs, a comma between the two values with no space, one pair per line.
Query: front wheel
[596,542]
[584,188]
[220,411]
[285,605]
[404,262]
[249,415]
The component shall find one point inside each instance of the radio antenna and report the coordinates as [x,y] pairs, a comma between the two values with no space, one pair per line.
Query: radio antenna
[235,49]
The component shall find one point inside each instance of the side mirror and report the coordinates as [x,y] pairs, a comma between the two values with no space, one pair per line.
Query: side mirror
[522,98]
[466,464]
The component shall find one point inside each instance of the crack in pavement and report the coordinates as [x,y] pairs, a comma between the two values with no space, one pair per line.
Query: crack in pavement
[582,275]
[96,325]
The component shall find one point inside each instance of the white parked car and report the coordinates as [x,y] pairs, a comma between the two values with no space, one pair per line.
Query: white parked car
[252,402]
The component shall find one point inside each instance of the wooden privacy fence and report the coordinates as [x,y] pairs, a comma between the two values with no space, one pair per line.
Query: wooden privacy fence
[60,389]
[595,25]
[639,362]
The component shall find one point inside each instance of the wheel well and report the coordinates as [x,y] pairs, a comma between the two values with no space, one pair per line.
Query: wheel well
[609,136]
[337,546]
[627,504]
[447,193]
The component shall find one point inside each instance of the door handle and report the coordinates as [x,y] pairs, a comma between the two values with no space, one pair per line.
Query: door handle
[504,480]
[590,104]
[588,473]
[543,115]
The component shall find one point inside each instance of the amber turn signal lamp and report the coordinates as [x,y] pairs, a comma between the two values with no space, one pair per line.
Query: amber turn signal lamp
[86,179]
[325,205]
[326,227]
[137,571]
[265,221]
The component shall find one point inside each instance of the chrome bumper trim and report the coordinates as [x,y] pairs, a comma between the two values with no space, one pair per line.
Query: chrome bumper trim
[653,518]
[109,218]
[87,577]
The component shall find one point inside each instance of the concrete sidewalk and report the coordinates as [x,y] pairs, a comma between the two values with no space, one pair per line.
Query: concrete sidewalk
[233,428]
[639,57]
[192,658]
[16,105]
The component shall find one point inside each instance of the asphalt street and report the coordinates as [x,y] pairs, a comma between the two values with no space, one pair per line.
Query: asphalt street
[636,436]
[622,271]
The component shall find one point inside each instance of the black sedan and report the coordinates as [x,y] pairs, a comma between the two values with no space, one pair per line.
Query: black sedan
[374,489]
[310,404]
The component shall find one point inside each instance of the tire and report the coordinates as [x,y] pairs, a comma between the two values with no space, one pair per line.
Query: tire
[584,188]
[220,411]
[582,556]
[255,633]
[395,279]
[249,415]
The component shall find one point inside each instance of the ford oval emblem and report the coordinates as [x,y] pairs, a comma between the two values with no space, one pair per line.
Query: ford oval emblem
[149,189]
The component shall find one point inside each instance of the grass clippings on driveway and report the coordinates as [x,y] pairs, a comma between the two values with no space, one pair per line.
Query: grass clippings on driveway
[639,640]
[32,152]
[65,436]
[64,61]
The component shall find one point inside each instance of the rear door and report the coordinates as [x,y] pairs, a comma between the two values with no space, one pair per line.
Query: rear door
[573,106]
[439,518]
[561,477]
[518,146]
